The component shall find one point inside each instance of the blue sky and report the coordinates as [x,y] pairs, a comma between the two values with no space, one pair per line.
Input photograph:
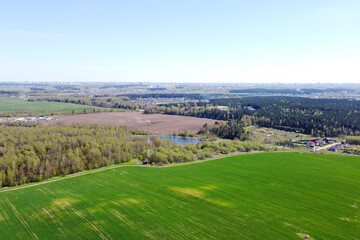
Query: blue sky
[180,41]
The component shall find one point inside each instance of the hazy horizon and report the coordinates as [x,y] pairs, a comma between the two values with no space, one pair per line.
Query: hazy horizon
[238,84]
[180,42]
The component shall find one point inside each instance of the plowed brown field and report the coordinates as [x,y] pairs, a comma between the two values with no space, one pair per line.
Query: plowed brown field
[159,123]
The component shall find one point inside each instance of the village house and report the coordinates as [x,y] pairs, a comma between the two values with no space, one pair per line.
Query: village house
[311,144]
[338,147]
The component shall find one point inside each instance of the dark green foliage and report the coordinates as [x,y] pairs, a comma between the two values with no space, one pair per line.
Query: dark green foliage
[138,132]
[319,117]
[289,91]
[106,102]
[29,154]
[265,91]
[118,86]
[157,89]
[165,95]
[4,93]
[228,130]
[353,140]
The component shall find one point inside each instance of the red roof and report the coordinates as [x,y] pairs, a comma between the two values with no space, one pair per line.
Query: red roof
[311,144]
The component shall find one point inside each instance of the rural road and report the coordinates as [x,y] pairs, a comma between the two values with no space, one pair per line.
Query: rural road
[327,146]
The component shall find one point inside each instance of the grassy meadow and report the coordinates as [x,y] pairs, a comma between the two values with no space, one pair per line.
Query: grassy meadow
[17,104]
[250,196]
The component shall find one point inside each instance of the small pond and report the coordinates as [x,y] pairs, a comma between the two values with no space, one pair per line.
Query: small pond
[182,140]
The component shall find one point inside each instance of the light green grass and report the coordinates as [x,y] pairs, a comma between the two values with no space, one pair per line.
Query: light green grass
[271,135]
[253,196]
[16,104]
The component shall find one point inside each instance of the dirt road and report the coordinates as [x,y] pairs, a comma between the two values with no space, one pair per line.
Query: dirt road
[327,146]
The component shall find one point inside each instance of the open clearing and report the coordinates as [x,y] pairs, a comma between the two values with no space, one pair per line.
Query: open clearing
[17,104]
[163,124]
[252,196]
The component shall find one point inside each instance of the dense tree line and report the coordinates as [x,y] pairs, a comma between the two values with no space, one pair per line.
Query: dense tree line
[67,87]
[228,130]
[202,150]
[319,117]
[20,114]
[117,102]
[289,91]
[265,91]
[118,86]
[33,153]
[106,102]
[194,96]
[139,132]
[157,89]
[4,93]
[353,140]
[24,113]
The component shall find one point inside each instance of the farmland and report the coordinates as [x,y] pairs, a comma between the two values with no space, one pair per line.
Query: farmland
[163,124]
[16,104]
[252,196]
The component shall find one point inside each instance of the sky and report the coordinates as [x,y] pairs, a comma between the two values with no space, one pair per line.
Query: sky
[203,41]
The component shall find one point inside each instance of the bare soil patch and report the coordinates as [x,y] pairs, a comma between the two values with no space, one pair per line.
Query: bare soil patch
[155,123]
[304,236]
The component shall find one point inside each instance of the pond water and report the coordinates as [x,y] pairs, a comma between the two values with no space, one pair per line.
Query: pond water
[182,140]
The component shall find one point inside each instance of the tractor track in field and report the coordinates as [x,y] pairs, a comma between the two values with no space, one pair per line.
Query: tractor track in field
[23,222]
[86,220]
[119,166]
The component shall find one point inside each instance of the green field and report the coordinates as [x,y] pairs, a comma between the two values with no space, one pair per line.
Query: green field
[16,104]
[250,196]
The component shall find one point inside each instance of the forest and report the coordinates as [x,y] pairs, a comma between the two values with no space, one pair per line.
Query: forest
[228,130]
[31,152]
[4,93]
[194,96]
[318,117]
[118,102]
[289,91]
[105,102]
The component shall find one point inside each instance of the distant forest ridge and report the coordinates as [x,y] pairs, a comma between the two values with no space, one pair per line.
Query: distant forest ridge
[195,96]
[5,93]
[290,91]
[319,117]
